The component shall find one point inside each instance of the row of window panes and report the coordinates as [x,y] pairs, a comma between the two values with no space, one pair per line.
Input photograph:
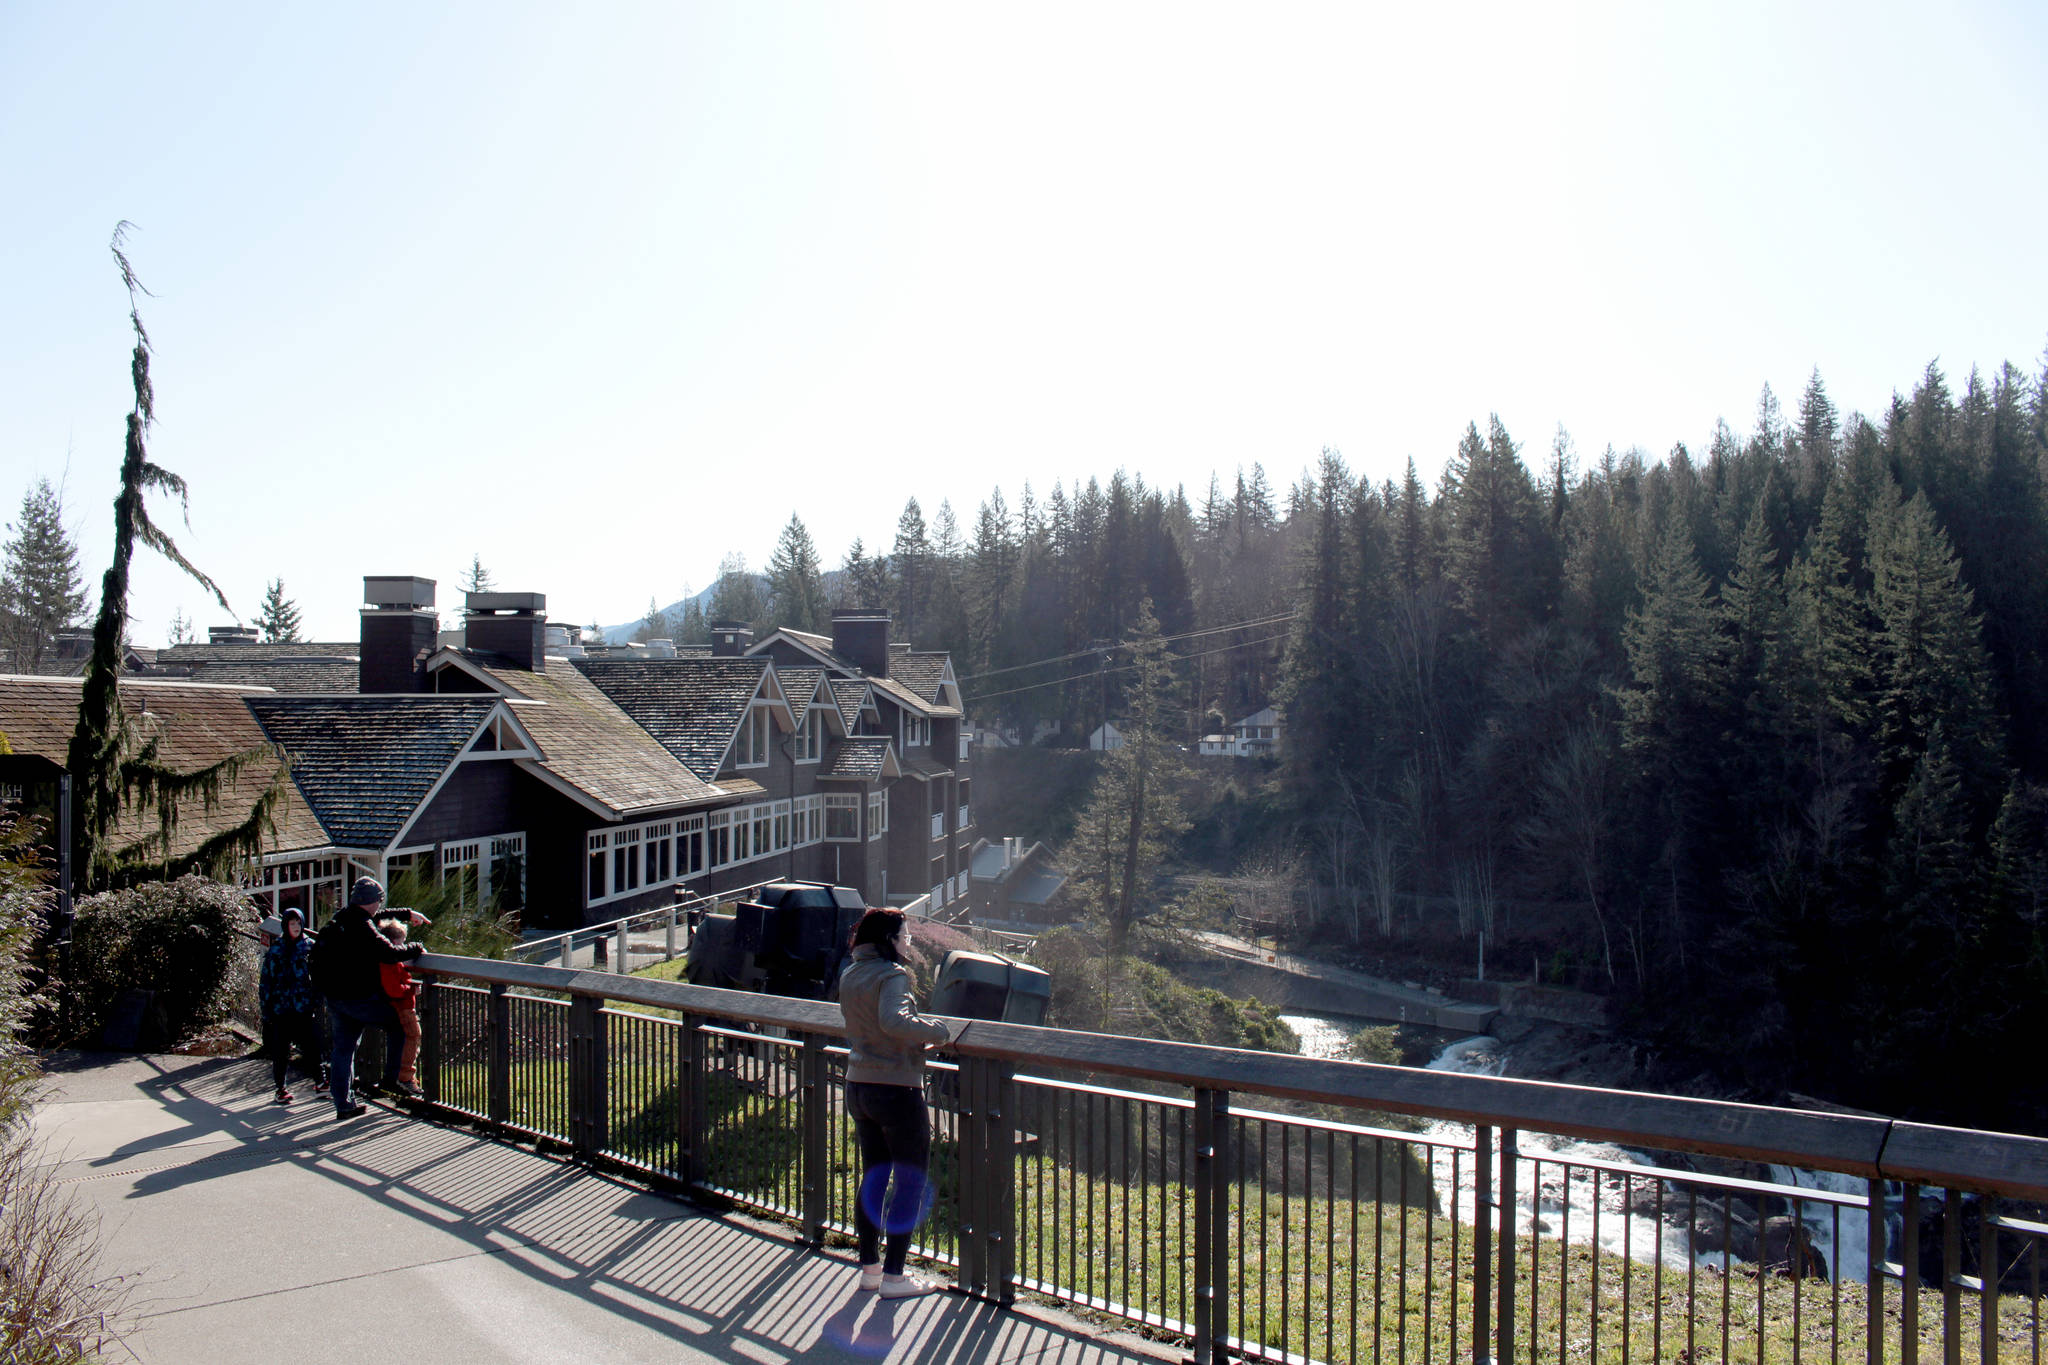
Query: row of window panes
[490,868]
[623,861]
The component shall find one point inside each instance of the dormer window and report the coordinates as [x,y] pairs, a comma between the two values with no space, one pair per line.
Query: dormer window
[917,731]
[750,750]
[810,736]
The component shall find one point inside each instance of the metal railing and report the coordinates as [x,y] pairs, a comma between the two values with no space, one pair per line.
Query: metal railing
[611,941]
[1290,1209]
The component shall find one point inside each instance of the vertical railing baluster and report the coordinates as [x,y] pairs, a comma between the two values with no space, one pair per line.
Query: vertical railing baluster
[1952,1277]
[1212,1224]
[498,1082]
[1482,1245]
[971,1167]
[430,1038]
[812,1104]
[1504,1282]
[1987,1271]
[1909,1280]
[692,1105]
[999,1217]
[1874,1271]
[580,1029]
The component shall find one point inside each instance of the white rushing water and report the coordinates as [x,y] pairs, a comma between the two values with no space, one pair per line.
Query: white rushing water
[1565,1207]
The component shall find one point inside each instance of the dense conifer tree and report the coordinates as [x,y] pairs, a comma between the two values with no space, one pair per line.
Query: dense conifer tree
[278,617]
[41,588]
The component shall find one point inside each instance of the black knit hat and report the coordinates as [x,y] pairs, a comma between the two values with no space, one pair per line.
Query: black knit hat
[366,891]
[291,912]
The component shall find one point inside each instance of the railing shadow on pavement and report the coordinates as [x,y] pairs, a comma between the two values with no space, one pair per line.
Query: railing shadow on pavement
[640,1254]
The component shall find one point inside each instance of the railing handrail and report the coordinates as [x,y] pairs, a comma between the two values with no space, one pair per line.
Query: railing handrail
[2002,1163]
[553,942]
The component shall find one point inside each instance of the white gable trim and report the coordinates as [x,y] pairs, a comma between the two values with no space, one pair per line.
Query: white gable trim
[498,711]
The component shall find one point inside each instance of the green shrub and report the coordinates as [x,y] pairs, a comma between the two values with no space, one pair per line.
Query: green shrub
[183,939]
[461,930]
[1098,993]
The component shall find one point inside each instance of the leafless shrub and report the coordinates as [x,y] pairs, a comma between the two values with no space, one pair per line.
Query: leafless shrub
[54,1304]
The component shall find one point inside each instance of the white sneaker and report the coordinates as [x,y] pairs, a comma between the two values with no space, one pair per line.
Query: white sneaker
[871,1277]
[905,1286]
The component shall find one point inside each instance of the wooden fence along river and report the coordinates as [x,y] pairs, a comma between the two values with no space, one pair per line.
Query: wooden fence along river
[1160,1183]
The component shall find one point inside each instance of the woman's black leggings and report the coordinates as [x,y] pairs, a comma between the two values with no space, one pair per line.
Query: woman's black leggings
[894,1133]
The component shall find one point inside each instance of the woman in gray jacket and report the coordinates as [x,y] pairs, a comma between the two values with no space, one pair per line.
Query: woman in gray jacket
[885,1098]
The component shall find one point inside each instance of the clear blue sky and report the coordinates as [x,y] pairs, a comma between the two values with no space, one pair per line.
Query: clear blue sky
[601,293]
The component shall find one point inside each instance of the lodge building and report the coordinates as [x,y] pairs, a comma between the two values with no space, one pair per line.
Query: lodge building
[569,785]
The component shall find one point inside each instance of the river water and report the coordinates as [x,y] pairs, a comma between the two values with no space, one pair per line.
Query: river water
[1617,1229]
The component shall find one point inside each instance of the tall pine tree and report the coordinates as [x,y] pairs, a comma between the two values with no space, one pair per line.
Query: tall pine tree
[41,589]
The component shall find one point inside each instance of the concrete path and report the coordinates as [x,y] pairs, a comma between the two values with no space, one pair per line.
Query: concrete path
[261,1233]
[1370,997]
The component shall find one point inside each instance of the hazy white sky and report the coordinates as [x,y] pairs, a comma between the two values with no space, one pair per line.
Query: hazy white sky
[601,293]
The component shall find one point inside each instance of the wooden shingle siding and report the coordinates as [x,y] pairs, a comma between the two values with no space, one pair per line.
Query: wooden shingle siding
[477,799]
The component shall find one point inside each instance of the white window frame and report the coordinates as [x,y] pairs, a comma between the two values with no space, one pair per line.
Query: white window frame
[878,814]
[690,841]
[718,839]
[810,736]
[752,747]
[597,858]
[846,802]
[498,848]
[783,841]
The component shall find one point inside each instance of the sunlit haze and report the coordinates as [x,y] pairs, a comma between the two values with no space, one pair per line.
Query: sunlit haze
[603,293]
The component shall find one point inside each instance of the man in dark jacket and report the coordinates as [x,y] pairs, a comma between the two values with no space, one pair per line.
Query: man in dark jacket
[351,952]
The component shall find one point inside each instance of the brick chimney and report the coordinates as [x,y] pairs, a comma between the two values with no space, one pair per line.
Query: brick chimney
[862,638]
[730,639]
[400,627]
[229,635]
[514,624]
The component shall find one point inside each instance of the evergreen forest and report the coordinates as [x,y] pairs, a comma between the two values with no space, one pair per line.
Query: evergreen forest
[1760,729]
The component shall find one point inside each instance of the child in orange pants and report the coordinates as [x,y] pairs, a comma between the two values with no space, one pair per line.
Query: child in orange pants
[405,994]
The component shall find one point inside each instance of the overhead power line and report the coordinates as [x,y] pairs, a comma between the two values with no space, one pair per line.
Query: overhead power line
[1166,639]
[1120,668]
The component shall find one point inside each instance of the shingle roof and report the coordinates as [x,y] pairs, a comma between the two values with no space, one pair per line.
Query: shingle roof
[850,695]
[819,645]
[915,764]
[329,676]
[194,727]
[193,653]
[799,686]
[692,706]
[920,672]
[593,745]
[857,760]
[366,763]
[909,700]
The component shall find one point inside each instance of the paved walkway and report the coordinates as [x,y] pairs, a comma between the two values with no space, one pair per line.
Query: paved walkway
[259,1233]
[1377,997]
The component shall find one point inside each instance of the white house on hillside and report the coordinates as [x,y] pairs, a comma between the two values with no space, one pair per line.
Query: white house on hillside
[1256,736]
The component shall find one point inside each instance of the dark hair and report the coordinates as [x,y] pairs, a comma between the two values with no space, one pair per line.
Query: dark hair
[879,927]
